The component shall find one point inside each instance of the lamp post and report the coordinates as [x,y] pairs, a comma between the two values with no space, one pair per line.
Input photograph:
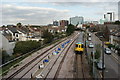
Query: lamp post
[93,63]
[102,60]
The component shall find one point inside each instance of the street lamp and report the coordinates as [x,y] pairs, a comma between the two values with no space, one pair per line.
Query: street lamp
[102,60]
[93,63]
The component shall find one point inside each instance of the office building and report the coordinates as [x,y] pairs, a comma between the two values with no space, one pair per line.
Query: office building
[87,22]
[76,20]
[55,23]
[63,22]
[102,21]
[109,16]
[94,22]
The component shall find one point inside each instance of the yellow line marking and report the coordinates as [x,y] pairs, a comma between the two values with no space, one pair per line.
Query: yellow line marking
[115,59]
[114,56]
[100,75]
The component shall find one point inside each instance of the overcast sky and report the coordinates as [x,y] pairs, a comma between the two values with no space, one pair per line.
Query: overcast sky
[42,12]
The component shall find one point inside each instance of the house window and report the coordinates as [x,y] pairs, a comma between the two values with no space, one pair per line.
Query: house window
[17,39]
[16,35]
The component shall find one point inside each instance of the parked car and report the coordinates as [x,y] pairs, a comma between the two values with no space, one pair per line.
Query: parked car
[107,51]
[100,65]
[89,34]
[91,45]
[107,43]
[89,38]
[101,36]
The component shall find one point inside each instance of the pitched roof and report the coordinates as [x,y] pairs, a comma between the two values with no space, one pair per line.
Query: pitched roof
[6,33]
[13,29]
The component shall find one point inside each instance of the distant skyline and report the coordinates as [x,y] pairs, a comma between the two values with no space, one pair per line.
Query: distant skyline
[42,13]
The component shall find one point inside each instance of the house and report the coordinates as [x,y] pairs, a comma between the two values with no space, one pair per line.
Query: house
[35,30]
[6,45]
[22,36]
[36,33]
[6,33]
[20,33]
[14,33]
[115,37]
[23,33]
[58,29]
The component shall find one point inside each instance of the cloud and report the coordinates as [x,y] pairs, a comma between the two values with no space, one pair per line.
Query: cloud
[86,4]
[60,1]
[96,8]
[75,3]
[12,14]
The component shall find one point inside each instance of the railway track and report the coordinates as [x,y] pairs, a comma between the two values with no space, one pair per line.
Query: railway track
[27,64]
[59,68]
[55,65]
[79,67]
[27,74]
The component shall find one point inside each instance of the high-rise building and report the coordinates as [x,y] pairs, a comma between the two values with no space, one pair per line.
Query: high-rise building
[76,20]
[110,16]
[64,22]
[55,23]
[102,21]
[94,22]
[119,10]
[87,22]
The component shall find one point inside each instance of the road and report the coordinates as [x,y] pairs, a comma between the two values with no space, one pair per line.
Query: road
[111,63]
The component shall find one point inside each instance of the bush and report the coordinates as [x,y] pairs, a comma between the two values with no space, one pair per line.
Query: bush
[111,46]
[5,57]
[25,46]
[97,54]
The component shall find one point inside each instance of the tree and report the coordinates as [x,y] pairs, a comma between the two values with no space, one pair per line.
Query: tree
[70,29]
[3,26]
[117,22]
[48,37]
[19,25]
[97,52]
[106,33]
